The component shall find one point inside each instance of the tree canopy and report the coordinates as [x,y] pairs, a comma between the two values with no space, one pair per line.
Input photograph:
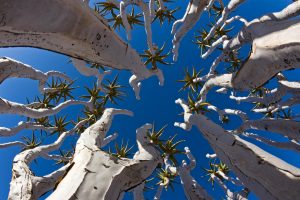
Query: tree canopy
[82,117]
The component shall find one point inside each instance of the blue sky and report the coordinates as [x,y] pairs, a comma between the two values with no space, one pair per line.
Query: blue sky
[156,104]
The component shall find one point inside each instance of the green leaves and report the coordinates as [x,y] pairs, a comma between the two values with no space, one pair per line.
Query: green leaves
[31,142]
[104,8]
[93,93]
[169,147]
[165,14]
[157,57]
[132,18]
[216,10]
[225,119]
[95,114]
[203,44]
[166,178]
[60,124]
[65,157]
[214,168]
[113,91]
[189,80]
[234,61]
[192,103]
[60,89]
[123,151]
[155,136]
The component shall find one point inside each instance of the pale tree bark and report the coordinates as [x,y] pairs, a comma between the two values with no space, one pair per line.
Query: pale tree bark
[263,173]
[284,127]
[192,190]
[24,184]
[10,68]
[5,132]
[182,26]
[92,173]
[71,28]
[97,175]
[9,107]
[272,51]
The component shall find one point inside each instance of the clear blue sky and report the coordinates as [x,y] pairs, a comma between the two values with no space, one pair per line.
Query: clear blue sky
[156,104]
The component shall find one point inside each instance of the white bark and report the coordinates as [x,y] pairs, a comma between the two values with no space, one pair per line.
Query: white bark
[80,65]
[10,68]
[24,184]
[284,127]
[138,192]
[272,52]
[96,175]
[294,146]
[147,19]
[5,132]
[221,113]
[192,15]
[88,157]
[9,107]
[232,5]
[192,190]
[223,80]
[266,175]
[67,27]
[279,106]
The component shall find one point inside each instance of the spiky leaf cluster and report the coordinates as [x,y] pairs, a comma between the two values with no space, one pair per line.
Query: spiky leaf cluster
[31,142]
[213,170]
[166,178]
[165,14]
[122,151]
[156,57]
[189,80]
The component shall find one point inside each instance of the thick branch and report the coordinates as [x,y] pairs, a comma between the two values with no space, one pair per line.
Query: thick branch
[67,27]
[261,172]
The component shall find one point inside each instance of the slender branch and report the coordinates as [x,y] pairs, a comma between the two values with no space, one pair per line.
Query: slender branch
[80,65]
[109,139]
[287,128]
[294,146]
[9,107]
[221,80]
[5,132]
[192,15]
[10,144]
[221,113]
[10,68]
[232,5]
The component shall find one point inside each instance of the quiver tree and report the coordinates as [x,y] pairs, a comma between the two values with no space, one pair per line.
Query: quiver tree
[274,48]
[240,163]
[84,35]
